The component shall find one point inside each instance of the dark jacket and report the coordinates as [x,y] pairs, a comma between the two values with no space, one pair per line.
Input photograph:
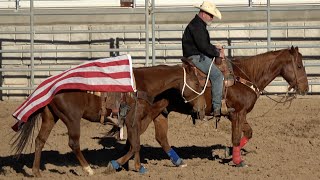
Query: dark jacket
[196,40]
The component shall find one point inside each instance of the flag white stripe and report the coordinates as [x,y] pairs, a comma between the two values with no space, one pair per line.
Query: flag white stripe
[51,84]
[113,69]
[88,81]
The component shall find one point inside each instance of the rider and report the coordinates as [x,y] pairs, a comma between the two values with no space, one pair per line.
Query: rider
[196,46]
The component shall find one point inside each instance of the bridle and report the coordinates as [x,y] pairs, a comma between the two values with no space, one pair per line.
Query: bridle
[258,91]
[286,98]
[293,60]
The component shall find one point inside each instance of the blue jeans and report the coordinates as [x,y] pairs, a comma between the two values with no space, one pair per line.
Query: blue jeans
[216,77]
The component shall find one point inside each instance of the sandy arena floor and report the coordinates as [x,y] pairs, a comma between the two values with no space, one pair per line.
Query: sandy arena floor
[285,145]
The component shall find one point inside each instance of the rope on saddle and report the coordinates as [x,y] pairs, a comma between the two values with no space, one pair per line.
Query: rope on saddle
[185,84]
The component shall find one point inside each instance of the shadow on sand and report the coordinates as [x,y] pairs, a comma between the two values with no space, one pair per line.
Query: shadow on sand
[111,150]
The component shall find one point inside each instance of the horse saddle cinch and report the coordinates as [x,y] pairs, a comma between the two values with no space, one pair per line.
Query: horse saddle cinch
[225,67]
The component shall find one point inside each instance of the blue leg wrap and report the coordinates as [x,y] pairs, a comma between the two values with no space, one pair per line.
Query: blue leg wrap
[142,170]
[176,160]
[115,164]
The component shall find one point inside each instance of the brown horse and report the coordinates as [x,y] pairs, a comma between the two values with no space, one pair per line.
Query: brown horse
[255,73]
[72,105]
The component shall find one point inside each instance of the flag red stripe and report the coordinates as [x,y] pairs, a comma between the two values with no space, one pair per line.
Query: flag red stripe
[109,74]
[113,88]
[84,74]
[76,74]
[91,64]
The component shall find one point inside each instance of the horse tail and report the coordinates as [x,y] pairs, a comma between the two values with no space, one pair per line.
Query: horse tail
[24,135]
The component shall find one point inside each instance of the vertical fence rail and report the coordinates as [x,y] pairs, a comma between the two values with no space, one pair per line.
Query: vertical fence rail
[153,29]
[31,45]
[268,25]
[147,31]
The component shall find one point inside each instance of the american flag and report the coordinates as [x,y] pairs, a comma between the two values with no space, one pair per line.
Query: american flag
[105,75]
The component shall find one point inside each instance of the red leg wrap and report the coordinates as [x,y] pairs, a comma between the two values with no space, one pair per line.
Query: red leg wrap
[236,158]
[243,141]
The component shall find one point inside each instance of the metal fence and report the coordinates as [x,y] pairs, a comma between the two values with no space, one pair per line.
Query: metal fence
[32,13]
[308,42]
[150,10]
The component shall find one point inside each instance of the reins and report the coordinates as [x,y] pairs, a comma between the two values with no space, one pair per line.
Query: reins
[286,98]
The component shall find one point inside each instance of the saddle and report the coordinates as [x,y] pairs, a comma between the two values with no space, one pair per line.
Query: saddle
[118,102]
[111,101]
[225,67]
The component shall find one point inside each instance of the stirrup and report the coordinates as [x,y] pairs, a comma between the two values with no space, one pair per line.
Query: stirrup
[224,109]
[229,110]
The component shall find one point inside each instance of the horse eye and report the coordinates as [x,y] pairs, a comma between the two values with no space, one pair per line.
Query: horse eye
[299,66]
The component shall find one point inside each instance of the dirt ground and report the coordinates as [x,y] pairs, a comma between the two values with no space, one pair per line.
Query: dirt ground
[285,145]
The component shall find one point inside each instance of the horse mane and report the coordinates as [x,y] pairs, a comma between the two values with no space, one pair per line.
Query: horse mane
[264,57]
[255,65]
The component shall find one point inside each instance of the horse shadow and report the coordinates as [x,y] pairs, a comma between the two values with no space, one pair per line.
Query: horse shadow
[185,152]
[112,149]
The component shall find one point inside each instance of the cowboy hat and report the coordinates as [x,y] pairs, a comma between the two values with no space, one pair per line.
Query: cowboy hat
[210,8]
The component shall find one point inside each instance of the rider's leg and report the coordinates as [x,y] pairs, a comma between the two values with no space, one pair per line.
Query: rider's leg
[216,77]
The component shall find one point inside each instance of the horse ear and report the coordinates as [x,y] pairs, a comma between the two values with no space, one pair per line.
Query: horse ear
[292,50]
[188,68]
[296,48]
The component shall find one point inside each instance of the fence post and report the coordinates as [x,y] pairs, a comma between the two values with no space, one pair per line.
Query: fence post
[153,33]
[31,45]
[268,25]
[1,77]
[147,31]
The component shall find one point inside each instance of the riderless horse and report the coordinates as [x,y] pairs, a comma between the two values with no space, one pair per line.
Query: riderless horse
[72,105]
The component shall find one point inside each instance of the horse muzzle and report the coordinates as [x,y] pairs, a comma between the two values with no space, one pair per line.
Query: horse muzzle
[302,92]
[200,110]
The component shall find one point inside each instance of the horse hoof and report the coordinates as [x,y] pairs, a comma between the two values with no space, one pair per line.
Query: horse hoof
[228,152]
[36,173]
[242,164]
[182,164]
[142,170]
[111,167]
[179,163]
[88,170]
